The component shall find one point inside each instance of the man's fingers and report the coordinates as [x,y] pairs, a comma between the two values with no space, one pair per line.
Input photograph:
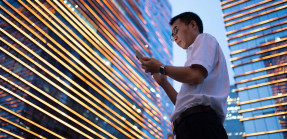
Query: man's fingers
[145,58]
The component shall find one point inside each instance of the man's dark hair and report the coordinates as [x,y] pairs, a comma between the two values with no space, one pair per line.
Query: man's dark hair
[187,17]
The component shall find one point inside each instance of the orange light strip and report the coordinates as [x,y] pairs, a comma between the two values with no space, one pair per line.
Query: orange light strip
[255,10]
[263,116]
[74,19]
[117,13]
[260,52]
[31,122]
[257,36]
[256,24]
[250,17]
[64,91]
[261,99]
[48,52]
[107,35]
[256,30]
[263,69]
[259,85]
[50,106]
[12,134]
[56,78]
[261,77]
[259,59]
[106,51]
[71,96]
[46,94]
[247,7]
[126,24]
[226,1]
[117,95]
[114,25]
[261,45]
[263,107]
[233,4]
[43,111]
[263,133]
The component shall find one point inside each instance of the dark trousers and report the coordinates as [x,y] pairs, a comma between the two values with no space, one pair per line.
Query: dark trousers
[204,125]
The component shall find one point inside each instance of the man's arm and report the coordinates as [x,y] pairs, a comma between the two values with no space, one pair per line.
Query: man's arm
[170,91]
[167,87]
[194,74]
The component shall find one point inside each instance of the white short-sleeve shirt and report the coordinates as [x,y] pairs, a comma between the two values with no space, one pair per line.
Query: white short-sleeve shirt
[214,90]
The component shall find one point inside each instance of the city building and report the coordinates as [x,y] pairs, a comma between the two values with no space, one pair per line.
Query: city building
[68,69]
[257,34]
[234,128]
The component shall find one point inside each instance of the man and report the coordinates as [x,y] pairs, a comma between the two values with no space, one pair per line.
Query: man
[200,105]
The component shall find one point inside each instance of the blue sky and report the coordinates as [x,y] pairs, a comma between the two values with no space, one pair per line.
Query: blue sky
[211,15]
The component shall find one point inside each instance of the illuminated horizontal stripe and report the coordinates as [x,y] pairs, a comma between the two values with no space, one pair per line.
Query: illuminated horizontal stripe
[12,134]
[263,107]
[225,2]
[42,48]
[247,7]
[263,133]
[263,69]
[261,99]
[64,91]
[263,116]
[31,122]
[105,33]
[47,95]
[75,19]
[256,24]
[255,10]
[43,111]
[103,52]
[257,30]
[259,59]
[112,81]
[50,106]
[262,84]
[257,36]
[261,45]
[261,77]
[260,52]
[233,4]
[250,17]
[118,94]
[48,44]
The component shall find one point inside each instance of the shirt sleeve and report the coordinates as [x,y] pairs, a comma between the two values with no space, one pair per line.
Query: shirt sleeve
[204,52]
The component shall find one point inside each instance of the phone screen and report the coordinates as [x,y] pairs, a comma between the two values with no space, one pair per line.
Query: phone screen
[139,55]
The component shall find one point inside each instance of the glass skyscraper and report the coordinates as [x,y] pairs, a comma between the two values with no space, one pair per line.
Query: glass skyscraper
[234,128]
[68,69]
[257,38]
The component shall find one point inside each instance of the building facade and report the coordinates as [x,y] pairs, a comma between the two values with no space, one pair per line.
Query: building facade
[257,34]
[234,128]
[68,69]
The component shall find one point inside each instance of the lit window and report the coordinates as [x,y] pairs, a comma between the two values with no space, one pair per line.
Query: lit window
[277,39]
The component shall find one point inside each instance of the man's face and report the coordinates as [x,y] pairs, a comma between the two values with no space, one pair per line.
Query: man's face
[184,34]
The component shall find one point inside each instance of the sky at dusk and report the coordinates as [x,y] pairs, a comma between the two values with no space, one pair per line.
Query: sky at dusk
[211,15]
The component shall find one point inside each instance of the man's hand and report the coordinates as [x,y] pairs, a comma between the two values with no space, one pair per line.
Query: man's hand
[160,78]
[151,65]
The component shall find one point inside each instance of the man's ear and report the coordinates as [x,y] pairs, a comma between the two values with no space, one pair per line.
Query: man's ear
[193,24]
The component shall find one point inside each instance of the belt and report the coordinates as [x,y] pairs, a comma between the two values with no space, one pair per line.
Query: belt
[188,112]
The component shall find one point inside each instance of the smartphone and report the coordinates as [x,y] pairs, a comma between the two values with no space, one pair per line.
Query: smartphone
[139,55]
